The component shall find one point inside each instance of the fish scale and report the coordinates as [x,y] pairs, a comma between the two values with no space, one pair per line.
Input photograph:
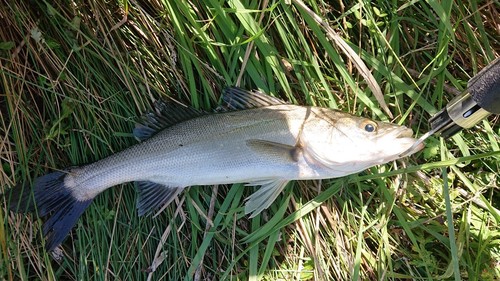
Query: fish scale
[255,139]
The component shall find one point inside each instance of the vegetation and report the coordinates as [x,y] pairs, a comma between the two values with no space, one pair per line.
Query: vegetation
[75,76]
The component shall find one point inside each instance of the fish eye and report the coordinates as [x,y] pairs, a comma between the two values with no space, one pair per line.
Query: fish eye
[369,126]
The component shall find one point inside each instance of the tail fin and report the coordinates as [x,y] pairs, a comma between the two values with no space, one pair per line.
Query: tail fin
[50,197]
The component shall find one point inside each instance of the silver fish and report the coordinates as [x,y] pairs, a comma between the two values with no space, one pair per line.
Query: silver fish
[256,139]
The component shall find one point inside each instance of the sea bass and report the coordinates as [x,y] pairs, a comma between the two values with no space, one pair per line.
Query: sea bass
[255,139]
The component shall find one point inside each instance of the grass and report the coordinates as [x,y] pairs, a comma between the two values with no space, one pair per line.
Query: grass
[75,76]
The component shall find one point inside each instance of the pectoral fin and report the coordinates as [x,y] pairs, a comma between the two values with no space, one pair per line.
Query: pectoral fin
[270,148]
[154,196]
[264,196]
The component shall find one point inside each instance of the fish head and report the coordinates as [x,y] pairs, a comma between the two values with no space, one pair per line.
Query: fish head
[351,143]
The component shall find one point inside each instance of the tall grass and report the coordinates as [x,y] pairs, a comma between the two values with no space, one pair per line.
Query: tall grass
[75,76]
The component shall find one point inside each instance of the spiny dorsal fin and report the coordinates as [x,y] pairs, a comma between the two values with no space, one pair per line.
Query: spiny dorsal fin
[234,98]
[164,115]
[154,196]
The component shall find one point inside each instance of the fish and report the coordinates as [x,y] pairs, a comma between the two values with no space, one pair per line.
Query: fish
[252,138]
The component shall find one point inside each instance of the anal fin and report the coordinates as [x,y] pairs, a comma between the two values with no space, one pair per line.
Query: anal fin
[153,196]
[264,196]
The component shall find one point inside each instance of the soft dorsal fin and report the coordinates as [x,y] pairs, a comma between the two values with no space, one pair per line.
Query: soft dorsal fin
[163,116]
[234,98]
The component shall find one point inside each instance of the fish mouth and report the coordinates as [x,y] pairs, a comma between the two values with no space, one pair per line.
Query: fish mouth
[405,133]
[414,145]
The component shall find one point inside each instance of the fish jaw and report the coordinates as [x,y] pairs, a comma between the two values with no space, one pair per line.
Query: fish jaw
[395,143]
